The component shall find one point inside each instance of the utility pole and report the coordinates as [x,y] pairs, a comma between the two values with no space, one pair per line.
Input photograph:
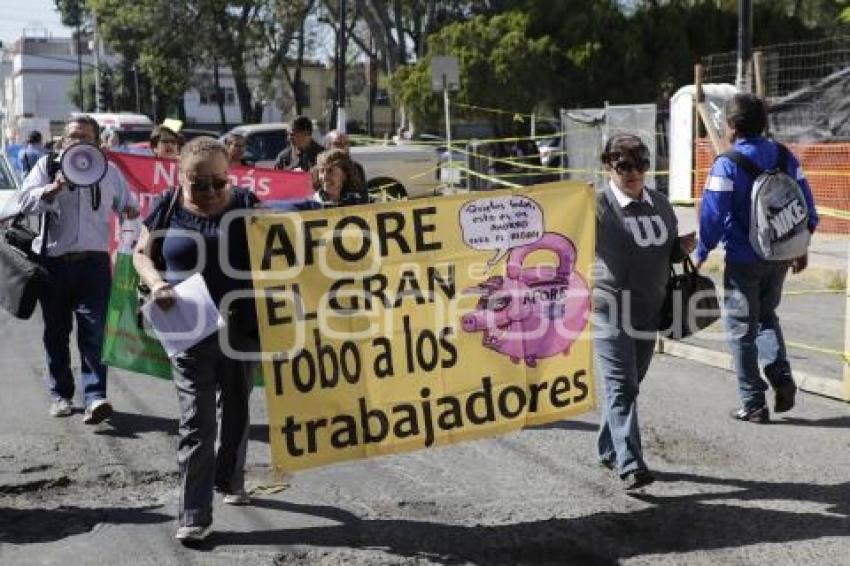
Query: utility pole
[340,69]
[97,83]
[743,79]
[80,59]
[136,81]
[372,87]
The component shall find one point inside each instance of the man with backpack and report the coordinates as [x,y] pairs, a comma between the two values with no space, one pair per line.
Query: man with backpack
[758,203]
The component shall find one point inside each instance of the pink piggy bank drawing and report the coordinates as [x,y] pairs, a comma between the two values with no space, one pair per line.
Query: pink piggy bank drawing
[532,312]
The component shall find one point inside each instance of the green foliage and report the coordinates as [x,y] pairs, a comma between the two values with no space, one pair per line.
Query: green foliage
[501,65]
[88,91]
[152,33]
[587,52]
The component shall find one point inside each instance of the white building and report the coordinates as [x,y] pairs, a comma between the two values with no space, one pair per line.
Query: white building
[41,70]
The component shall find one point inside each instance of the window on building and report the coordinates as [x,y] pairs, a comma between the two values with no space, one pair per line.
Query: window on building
[382,97]
[303,91]
[209,96]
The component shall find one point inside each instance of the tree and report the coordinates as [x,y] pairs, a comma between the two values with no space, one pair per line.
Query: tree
[86,105]
[501,66]
[142,33]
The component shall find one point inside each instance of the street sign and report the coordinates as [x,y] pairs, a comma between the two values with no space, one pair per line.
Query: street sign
[445,74]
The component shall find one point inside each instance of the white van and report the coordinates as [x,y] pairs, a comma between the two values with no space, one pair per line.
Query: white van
[131,128]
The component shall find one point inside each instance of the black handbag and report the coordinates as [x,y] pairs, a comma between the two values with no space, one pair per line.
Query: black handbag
[691,303]
[22,276]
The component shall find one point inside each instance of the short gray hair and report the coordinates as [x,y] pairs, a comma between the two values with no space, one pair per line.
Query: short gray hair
[201,148]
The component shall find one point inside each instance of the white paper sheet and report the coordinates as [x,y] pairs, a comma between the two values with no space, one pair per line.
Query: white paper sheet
[192,318]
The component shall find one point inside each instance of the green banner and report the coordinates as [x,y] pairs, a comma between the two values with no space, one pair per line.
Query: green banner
[126,344]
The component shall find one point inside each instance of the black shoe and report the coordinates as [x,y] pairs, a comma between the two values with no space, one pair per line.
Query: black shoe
[637,479]
[785,398]
[760,415]
[607,464]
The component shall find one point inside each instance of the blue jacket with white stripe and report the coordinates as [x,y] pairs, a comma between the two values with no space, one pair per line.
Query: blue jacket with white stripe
[726,200]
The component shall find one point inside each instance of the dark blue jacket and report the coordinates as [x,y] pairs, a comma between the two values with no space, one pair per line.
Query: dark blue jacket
[726,200]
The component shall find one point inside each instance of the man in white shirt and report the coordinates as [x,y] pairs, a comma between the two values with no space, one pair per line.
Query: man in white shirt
[75,246]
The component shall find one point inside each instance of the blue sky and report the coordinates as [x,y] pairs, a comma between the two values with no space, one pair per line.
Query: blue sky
[18,14]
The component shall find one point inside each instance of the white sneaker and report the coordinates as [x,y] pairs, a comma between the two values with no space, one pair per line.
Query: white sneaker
[97,411]
[240,497]
[61,408]
[193,533]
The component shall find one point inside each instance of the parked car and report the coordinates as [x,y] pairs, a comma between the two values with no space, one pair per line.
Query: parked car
[393,170]
[10,183]
[263,142]
[131,128]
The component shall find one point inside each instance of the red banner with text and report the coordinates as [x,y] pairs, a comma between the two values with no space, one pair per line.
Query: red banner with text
[149,176]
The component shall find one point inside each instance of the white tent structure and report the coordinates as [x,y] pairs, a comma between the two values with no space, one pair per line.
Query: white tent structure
[682,133]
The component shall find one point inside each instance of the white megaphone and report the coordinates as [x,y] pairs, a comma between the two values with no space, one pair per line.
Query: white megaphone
[83,164]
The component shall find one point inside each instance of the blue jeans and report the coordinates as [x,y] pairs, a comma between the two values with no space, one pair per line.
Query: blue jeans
[752,295]
[78,287]
[622,361]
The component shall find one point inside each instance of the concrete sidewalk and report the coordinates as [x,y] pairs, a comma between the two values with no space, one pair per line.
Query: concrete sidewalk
[813,315]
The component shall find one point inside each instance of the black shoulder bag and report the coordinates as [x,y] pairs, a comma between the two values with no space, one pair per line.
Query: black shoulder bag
[691,303]
[22,276]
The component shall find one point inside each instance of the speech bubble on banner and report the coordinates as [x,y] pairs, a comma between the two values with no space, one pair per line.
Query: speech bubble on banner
[500,224]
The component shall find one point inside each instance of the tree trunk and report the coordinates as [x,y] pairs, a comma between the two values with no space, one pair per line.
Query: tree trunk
[399,30]
[219,96]
[243,90]
[298,87]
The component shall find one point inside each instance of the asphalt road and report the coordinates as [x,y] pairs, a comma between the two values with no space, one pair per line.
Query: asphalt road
[729,492]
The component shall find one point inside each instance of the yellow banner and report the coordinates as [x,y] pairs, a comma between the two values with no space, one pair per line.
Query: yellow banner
[407,325]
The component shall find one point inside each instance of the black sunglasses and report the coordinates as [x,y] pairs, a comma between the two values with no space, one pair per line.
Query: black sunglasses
[206,184]
[625,166]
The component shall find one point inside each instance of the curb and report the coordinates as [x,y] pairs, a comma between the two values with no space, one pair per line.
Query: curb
[833,388]
[818,275]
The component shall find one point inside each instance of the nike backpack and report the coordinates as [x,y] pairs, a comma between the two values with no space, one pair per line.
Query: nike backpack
[779,215]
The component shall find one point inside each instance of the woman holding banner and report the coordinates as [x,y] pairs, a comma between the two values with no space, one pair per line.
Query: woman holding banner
[194,229]
[636,231]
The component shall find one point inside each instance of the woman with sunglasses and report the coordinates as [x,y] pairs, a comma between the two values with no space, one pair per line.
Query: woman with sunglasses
[195,229]
[637,238]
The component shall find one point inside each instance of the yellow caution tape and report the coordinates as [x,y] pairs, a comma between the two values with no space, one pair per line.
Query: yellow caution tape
[487,177]
[845,356]
[833,212]
[813,292]
[493,110]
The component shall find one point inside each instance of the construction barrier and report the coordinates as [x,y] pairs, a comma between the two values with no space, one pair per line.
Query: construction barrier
[827,168]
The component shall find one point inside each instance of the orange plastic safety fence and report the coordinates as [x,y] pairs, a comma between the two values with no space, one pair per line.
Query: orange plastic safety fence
[826,166]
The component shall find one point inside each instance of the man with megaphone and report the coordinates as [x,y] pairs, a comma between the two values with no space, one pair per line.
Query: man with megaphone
[76,190]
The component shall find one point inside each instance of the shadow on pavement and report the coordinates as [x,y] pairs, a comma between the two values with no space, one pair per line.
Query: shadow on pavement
[676,524]
[580,426]
[833,422]
[259,433]
[837,496]
[26,526]
[129,425]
